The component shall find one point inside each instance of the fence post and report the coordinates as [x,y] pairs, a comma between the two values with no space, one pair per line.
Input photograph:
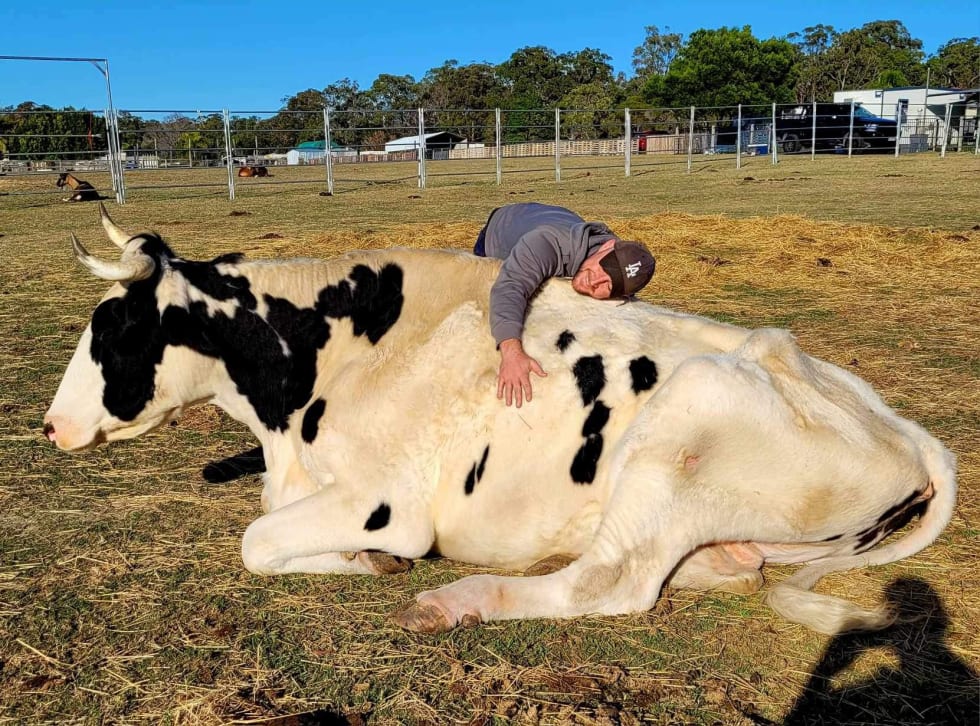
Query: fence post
[976,133]
[629,139]
[690,141]
[420,147]
[738,139]
[120,161]
[813,133]
[949,113]
[499,138]
[328,145]
[774,152]
[850,132]
[557,144]
[898,127]
[111,164]
[229,166]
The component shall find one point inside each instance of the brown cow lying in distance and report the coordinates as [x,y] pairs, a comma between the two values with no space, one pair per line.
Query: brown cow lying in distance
[247,171]
[82,191]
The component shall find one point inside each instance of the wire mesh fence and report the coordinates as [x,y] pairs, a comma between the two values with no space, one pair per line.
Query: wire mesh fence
[334,150]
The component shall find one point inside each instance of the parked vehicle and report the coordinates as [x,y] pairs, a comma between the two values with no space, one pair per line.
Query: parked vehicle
[795,129]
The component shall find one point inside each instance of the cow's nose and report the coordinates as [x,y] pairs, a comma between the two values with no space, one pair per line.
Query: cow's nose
[49,431]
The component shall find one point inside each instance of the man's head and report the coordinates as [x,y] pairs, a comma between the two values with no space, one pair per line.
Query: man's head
[617,269]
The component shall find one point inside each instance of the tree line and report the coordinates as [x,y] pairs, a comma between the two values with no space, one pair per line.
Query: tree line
[720,67]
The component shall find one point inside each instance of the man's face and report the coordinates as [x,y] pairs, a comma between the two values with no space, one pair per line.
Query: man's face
[591,279]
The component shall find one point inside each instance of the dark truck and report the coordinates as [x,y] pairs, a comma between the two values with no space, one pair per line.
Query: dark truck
[795,129]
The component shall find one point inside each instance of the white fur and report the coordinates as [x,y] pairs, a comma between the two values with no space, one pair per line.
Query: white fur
[744,439]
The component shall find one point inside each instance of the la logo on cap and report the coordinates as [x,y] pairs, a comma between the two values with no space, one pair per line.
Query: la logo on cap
[632,269]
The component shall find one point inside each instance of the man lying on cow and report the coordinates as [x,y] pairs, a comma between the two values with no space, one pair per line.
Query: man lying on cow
[537,242]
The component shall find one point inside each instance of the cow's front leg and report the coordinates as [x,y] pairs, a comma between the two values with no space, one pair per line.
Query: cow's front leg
[316,534]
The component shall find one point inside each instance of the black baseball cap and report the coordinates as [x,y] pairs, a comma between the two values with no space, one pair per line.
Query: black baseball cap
[630,266]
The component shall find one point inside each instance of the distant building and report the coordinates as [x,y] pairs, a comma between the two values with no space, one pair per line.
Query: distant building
[916,102]
[438,144]
[923,112]
[314,152]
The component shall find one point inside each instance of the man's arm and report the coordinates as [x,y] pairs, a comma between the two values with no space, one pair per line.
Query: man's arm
[532,261]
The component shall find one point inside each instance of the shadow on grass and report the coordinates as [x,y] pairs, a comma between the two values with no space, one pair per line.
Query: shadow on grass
[930,685]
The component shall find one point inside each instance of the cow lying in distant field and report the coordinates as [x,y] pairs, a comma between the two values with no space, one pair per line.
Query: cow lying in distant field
[248,171]
[82,191]
[662,446]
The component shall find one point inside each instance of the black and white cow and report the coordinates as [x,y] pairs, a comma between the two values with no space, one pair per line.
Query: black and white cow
[662,446]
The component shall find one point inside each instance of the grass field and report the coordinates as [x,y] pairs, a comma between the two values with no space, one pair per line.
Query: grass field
[122,594]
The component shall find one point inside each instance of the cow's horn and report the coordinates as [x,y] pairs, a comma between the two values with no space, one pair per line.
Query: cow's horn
[118,236]
[138,267]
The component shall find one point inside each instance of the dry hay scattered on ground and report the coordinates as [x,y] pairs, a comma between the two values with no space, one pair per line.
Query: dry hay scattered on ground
[123,598]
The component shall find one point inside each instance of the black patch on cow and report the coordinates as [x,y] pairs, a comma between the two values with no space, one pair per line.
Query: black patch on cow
[311,420]
[564,340]
[483,462]
[476,472]
[206,278]
[597,418]
[275,381]
[379,518]
[271,359]
[128,344]
[834,538]
[868,538]
[235,467]
[373,305]
[892,511]
[898,516]
[590,376]
[586,460]
[643,371]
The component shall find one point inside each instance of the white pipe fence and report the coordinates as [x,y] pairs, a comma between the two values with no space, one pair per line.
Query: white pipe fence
[138,144]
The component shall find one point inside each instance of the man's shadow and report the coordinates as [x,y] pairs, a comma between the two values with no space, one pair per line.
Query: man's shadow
[930,685]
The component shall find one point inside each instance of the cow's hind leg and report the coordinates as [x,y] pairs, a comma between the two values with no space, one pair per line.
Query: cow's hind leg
[320,534]
[645,533]
[732,567]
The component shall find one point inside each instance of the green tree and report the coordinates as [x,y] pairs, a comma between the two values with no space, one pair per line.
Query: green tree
[876,51]
[814,43]
[725,67]
[957,64]
[588,66]
[589,115]
[654,56]
[535,75]
[461,98]
[36,132]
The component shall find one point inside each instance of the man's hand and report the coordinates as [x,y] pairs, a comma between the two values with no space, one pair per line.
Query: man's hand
[514,377]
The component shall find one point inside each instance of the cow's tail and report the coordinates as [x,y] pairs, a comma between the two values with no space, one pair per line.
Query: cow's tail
[792,598]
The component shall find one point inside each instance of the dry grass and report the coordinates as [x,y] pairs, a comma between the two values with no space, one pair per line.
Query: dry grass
[122,595]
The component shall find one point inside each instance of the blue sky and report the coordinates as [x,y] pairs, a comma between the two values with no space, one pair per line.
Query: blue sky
[247,56]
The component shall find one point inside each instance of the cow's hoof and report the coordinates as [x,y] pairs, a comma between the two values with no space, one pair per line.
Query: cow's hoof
[746,582]
[423,617]
[381,563]
[549,565]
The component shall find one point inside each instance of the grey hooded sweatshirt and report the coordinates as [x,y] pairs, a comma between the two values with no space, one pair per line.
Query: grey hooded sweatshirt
[536,242]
